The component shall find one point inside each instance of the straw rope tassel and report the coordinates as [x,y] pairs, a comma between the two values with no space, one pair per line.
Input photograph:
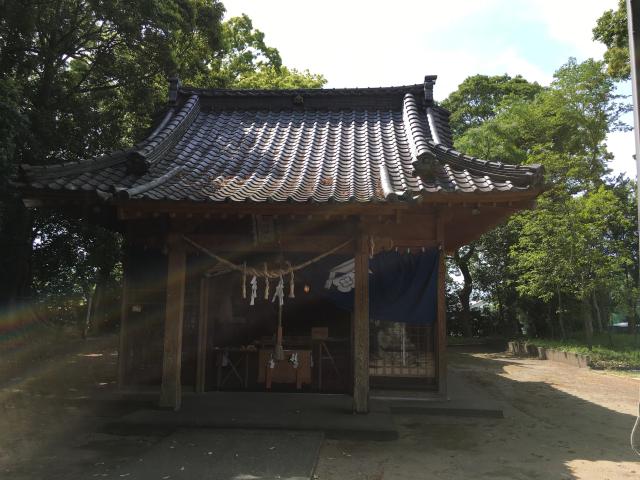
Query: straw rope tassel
[266,282]
[254,290]
[244,280]
[279,292]
[292,285]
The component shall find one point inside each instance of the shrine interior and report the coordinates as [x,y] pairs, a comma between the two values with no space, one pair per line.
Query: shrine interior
[240,337]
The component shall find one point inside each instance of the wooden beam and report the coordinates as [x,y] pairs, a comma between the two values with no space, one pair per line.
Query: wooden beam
[241,244]
[129,208]
[361,326]
[203,323]
[463,229]
[441,325]
[171,392]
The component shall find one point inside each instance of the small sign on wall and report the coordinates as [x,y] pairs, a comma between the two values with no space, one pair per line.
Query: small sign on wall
[264,229]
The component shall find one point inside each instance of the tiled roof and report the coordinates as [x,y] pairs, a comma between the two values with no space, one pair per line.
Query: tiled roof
[320,145]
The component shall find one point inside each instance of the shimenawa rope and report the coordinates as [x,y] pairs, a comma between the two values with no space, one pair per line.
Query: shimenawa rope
[265,272]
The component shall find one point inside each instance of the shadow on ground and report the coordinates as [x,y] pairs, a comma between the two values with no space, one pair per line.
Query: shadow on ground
[55,424]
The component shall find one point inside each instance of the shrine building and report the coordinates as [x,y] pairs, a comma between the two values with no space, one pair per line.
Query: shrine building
[288,240]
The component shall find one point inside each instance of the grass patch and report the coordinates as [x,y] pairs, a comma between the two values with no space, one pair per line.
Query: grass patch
[619,353]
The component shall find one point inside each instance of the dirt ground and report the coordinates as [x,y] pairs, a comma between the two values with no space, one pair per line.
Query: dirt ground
[560,423]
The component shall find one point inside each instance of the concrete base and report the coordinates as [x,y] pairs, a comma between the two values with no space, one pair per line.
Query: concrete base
[568,358]
[462,400]
[523,349]
[552,354]
[331,414]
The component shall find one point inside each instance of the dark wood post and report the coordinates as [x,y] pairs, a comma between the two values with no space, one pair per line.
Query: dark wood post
[171,393]
[123,346]
[441,326]
[203,323]
[361,326]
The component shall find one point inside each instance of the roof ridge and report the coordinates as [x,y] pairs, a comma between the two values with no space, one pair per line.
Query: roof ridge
[415,131]
[124,193]
[531,172]
[250,92]
[147,152]
[424,157]
[69,168]
[138,158]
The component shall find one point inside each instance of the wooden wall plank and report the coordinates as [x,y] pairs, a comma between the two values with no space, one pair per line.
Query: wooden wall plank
[171,392]
[361,327]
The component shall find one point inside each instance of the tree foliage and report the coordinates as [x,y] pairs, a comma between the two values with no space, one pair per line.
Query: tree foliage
[612,30]
[479,98]
[82,77]
[574,251]
[246,61]
[476,101]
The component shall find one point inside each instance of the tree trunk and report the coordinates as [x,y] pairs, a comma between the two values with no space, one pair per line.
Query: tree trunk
[87,320]
[563,331]
[501,319]
[464,294]
[465,314]
[596,309]
[100,315]
[517,330]
[550,322]
[588,323]
[16,237]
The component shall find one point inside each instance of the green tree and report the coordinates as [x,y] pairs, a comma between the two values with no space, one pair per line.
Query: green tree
[612,30]
[477,101]
[74,67]
[567,247]
[246,61]
[480,97]
[563,127]
[79,78]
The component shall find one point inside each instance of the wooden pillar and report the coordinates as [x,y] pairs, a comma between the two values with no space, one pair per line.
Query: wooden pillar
[203,323]
[361,326]
[123,345]
[441,325]
[171,392]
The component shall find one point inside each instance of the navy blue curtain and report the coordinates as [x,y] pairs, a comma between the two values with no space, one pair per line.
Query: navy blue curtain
[403,287]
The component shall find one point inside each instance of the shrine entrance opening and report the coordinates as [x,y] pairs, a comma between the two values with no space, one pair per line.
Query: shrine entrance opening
[244,347]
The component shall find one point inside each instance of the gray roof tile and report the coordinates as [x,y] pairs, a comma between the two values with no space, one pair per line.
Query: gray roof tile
[345,148]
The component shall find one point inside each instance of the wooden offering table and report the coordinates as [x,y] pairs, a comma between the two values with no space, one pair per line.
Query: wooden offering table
[284,371]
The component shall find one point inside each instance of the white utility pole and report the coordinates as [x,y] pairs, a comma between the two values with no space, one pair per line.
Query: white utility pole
[633,24]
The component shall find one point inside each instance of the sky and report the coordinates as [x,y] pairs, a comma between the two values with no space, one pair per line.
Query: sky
[358,43]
